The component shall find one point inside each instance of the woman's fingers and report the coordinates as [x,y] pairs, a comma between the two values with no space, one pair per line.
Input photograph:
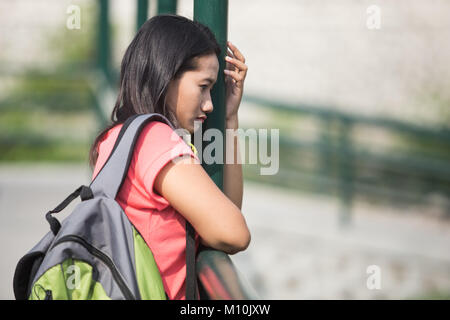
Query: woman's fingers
[236,68]
[230,66]
[236,52]
[234,75]
[237,63]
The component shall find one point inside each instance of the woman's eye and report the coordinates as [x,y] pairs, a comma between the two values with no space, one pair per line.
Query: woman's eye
[204,86]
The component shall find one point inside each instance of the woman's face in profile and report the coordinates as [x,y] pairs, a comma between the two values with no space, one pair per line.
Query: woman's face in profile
[189,97]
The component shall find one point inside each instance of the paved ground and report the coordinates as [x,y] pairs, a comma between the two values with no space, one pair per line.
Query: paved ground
[298,250]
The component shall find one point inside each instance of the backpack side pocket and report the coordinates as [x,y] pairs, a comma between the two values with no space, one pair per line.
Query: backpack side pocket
[147,272]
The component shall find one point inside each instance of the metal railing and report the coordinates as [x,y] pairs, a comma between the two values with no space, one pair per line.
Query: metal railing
[219,279]
[411,165]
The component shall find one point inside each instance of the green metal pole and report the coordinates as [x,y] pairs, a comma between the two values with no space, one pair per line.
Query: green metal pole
[142,9]
[222,276]
[214,14]
[167,6]
[104,39]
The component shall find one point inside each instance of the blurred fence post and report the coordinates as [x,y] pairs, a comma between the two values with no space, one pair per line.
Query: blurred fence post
[345,170]
[104,47]
[141,13]
[167,6]
[326,154]
[101,79]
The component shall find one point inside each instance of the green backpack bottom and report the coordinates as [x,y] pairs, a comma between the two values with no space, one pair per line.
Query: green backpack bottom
[73,279]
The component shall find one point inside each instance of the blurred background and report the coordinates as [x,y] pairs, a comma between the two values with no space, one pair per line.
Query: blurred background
[360,91]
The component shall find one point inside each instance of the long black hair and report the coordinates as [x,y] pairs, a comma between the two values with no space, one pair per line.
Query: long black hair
[162,50]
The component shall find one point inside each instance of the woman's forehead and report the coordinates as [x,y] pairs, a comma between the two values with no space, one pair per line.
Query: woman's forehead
[208,66]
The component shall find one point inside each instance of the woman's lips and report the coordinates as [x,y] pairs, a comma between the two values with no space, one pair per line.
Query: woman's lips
[201,119]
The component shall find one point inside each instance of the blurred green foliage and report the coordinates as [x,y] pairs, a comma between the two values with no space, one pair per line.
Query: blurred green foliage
[432,295]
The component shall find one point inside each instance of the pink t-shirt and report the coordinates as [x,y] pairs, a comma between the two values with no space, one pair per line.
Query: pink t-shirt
[161,226]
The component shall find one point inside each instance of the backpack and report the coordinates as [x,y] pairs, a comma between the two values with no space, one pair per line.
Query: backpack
[96,252]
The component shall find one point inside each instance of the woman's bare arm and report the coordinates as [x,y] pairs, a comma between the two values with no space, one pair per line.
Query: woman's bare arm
[232,172]
[190,191]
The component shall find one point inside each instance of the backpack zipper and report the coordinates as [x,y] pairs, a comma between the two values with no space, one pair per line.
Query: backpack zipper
[104,258]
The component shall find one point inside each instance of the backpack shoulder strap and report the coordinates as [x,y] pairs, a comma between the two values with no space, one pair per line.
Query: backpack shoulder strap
[191,276]
[110,178]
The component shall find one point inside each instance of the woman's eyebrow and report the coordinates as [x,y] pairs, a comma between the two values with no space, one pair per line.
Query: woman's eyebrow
[210,80]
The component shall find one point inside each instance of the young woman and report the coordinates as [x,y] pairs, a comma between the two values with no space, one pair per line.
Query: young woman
[170,68]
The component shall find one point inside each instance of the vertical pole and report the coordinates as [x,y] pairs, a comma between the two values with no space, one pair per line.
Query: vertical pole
[104,39]
[167,6]
[345,172]
[141,13]
[214,14]
[326,153]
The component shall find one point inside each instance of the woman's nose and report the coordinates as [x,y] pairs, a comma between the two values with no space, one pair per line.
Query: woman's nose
[208,106]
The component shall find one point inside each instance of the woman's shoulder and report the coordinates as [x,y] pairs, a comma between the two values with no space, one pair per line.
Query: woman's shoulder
[156,134]
[159,140]
[157,128]
[159,134]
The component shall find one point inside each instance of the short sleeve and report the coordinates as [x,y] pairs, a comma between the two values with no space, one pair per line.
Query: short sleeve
[157,145]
